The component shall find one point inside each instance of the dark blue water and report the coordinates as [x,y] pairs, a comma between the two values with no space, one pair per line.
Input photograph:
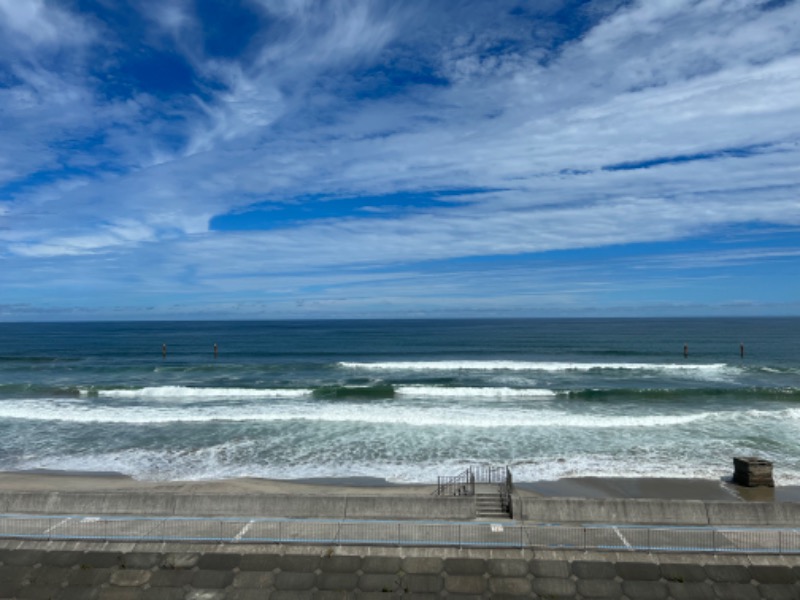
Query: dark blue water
[405,400]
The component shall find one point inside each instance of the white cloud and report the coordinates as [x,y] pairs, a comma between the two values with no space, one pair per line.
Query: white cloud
[295,115]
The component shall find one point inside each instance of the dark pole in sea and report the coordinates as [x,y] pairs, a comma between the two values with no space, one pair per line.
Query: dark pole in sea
[685,350]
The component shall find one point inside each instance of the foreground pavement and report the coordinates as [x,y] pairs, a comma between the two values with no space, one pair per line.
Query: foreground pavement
[84,570]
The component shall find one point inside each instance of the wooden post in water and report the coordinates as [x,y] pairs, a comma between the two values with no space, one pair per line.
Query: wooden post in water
[163,351]
[685,350]
[215,351]
[741,350]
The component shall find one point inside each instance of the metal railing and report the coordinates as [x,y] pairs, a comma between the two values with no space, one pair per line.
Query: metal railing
[402,533]
[462,484]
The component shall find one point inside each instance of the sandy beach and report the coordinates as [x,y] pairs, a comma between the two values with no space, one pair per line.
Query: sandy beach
[586,487]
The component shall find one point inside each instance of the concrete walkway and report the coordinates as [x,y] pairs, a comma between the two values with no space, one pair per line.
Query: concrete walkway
[199,572]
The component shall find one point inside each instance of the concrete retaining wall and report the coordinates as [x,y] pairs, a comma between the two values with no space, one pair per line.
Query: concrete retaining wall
[623,511]
[238,505]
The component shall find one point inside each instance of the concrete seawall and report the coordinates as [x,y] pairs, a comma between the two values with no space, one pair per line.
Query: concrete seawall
[238,505]
[655,512]
[536,510]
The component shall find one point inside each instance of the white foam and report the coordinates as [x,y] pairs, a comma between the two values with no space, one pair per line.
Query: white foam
[549,367]
[424,391]
[179,391]
[376,413]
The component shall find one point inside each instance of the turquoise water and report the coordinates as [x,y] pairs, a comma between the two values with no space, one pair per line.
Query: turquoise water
[405,400]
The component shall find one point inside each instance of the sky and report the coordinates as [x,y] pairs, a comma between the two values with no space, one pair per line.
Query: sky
[280,159]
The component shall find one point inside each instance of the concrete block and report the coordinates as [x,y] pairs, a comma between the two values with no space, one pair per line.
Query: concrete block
[638,571]
[778,591]
[590,569]
[549,587]
[465,566]
[340,564]
[295,581]
[423,584]
[140,560]
[259,562]
[130,577]
[550,568]
[89,577]
[692,591]
[218,561]
[512,586]
[299,563]
[381,564]
[172,578]
[773,574]
[737,591]
[683,572]
[465,584]
[253,580]
[380,582]
[507,567]
[645,590]
[751,471]
[599,588]
[422,564]
[728,573]
[212,579]
[337,581]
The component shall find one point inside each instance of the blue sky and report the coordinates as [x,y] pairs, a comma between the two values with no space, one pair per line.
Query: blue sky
[165,159]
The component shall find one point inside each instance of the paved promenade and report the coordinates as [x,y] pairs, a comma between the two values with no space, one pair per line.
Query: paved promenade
[82,570]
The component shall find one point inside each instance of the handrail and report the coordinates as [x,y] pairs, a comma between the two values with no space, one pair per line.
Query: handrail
[462,484]
[611,538]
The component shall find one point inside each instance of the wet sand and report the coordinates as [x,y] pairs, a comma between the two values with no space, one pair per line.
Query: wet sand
[585,487]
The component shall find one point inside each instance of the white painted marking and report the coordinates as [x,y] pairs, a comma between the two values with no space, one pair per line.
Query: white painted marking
[622,537]
[56,526]
[244,529]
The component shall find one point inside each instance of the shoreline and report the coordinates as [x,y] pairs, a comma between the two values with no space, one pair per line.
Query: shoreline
[581,487]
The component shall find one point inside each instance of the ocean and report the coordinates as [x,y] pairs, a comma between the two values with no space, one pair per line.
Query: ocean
[401,400]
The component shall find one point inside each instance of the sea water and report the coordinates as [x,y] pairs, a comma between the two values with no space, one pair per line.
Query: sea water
[402,400]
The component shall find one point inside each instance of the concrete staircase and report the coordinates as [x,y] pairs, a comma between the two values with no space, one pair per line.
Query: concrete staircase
[490,506]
